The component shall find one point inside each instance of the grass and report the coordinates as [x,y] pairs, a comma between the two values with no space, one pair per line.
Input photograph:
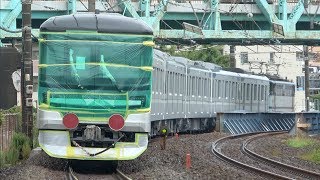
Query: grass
[313,153]
[19,150]
[313,156]
[300,142]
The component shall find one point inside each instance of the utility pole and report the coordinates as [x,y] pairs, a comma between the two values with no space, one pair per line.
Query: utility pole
[91,5]
[232,57]
[26,71]
[306,76]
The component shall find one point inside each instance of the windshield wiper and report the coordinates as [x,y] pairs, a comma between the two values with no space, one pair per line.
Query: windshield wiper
[107,73]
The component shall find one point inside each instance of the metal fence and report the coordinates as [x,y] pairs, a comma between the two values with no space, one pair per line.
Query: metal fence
[9,125]
[239,123]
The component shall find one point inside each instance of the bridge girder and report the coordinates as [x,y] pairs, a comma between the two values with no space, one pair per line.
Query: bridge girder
[216,24]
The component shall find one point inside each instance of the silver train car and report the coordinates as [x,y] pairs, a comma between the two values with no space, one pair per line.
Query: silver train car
[186,95]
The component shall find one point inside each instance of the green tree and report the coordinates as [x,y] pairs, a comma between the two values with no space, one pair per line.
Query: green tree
[206,53]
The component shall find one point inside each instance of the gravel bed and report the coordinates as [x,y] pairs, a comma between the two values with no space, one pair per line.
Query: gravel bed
[38,166]
[170,163]
[275,148]
[164,164]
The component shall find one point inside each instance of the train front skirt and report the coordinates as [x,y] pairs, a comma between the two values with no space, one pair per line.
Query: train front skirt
[57,144]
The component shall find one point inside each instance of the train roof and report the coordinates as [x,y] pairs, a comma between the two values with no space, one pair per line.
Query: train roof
[282,82]
[104,23]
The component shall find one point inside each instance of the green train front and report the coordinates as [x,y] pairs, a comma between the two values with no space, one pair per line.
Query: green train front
[94,86]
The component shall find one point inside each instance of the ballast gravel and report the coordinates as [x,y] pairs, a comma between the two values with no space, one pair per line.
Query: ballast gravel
[169,163]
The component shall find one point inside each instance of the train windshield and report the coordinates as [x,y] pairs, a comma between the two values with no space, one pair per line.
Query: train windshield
[95,73]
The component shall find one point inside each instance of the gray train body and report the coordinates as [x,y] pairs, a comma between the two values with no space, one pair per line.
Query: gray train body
[186,95]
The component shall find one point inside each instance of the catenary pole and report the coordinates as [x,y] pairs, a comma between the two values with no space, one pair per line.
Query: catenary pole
[306,75]
[26,71]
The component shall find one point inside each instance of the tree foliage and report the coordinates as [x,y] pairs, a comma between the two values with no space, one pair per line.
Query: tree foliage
[206,53]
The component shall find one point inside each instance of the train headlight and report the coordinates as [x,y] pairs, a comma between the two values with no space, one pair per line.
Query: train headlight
[70,121]
[116,122]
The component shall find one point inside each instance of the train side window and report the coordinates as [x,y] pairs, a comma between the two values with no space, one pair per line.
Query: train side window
[243,91]
[176,83]
[219,87]
[192,87]
[162,86]
[226,88]
[206,87]
[262,92]
[248,92]
[259,93]
[255,92]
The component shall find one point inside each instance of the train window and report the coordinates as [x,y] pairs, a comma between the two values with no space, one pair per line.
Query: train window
[259,93]
[262,92]
[193,85]
[200,87]
[239,90]
[176,83]
[234,90]
[247,91]
[255,92]
[243,92]
[227,89]
[162,81]
[166,82]
[219,88]
[206,87]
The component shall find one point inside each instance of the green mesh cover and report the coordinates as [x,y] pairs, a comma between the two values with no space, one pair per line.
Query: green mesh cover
[95,75]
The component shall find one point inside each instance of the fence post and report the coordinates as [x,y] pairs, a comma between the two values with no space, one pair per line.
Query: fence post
[219,122]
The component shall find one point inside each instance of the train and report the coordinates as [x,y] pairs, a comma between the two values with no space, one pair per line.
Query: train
[104,90]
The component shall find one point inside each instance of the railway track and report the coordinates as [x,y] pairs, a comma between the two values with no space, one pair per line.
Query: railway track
[257,163]
[73,175]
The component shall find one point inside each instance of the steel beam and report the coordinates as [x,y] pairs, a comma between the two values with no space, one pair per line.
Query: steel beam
[282,10]
[158,14]
[214,17]
[295,15]
[71,7]
[127,5]
[244,37]
[9,20]
[145,8]
[267,11]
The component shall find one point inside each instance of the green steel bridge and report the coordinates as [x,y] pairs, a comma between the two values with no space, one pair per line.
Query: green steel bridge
[238,22]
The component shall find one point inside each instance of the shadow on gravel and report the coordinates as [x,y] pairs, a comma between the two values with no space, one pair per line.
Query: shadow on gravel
[93,167]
